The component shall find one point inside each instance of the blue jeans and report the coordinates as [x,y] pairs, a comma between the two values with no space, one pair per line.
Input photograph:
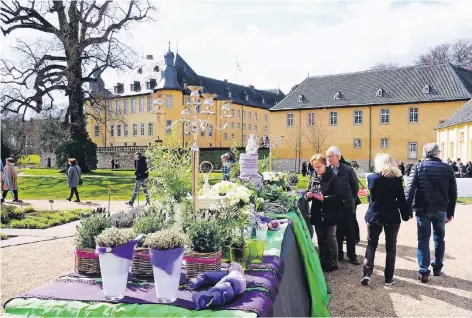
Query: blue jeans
[142,183]
[424,223]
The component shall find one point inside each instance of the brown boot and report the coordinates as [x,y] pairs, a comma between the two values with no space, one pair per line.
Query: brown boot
[423,278]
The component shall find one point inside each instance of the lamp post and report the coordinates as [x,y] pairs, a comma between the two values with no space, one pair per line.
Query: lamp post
[272,144]
[193,125]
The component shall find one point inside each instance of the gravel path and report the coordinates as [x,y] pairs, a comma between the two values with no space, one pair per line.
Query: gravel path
[29,266]
[449,295]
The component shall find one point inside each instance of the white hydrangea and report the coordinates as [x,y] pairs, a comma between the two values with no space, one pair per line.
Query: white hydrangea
[272,176]
[224,187]
[239,194]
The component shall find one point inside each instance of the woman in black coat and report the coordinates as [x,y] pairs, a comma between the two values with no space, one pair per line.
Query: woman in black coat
[387,205]
[325,190]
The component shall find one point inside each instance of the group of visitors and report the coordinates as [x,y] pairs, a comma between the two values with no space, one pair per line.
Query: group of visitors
[460,169]
[307,169]
[333,189]
[431,193]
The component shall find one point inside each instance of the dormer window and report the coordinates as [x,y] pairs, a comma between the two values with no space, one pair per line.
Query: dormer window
[337,96]
[140,70]
[229,94]
[379,92]
[300,98]
[136,86]
[262,100]
[151,83]
[426,89]
[119,88]
[185,85]
[246,97]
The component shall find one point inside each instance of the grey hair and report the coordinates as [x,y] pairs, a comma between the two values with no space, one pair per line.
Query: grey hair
[335,150]
[430,150]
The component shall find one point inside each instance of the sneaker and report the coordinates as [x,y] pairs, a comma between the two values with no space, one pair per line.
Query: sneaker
[423,278]
[77,200]
[129,204]
[68,199]
[365,280]
[354,261]
[389,282]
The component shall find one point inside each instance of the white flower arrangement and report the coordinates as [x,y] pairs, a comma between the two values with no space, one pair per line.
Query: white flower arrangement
[270,176]
[239,195]
[224,187]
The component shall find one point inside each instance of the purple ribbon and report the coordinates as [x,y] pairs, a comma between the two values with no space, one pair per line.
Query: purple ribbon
[124,251]
[165,259]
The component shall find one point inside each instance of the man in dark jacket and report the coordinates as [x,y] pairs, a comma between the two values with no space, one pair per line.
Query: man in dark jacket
[432,193]
[350,186]
[141,172]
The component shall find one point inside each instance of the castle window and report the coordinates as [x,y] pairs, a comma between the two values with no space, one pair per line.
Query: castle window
[379,93]
[426,89]
[229,94]
[246,97]
[337,96]
[300,98]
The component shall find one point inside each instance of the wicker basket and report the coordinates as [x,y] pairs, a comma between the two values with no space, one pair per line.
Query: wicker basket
[141,264]
[202,262]
[86,262]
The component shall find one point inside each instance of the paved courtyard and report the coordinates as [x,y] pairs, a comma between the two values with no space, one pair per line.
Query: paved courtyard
[26,266]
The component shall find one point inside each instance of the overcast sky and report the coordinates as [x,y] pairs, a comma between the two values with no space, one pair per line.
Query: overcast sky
[278,43]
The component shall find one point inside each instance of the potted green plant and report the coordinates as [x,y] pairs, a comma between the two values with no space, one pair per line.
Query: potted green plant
[150,222]
[206,240]
[238,250]
[86,261]
[115,249]
[166,249]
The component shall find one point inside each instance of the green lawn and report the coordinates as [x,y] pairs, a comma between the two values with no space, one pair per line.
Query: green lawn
[50,184]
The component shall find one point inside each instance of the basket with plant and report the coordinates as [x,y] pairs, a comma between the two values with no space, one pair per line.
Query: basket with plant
[149,223]
[86,262]
[206,239]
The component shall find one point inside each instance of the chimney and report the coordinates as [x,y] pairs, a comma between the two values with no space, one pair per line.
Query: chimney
[251,86]
[226,81]
[140,70]
[149,57]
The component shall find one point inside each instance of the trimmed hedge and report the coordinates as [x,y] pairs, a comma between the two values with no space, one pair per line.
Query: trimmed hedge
[45,219]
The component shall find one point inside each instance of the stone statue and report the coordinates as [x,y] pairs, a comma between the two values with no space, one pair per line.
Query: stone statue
[252,146]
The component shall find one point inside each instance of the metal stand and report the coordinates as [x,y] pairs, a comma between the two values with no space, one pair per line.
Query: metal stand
[195,167]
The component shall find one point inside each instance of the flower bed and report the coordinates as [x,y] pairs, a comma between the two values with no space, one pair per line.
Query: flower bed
[29,218]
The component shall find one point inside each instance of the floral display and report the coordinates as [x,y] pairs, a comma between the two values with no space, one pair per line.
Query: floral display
[224,187]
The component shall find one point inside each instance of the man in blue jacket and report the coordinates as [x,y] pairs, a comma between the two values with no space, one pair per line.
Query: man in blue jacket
[432,193]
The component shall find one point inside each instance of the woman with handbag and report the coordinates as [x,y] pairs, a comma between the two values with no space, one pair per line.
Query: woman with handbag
[325,191]
[387,208]
[73,174]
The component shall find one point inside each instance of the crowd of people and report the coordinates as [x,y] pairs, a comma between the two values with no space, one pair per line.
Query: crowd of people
[430,193]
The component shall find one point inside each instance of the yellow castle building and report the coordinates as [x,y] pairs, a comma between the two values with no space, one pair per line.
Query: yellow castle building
[394,111]
[131,120]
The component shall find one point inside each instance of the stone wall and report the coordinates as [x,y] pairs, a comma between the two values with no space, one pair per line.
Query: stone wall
[44,160]
[123,156]
[289,165]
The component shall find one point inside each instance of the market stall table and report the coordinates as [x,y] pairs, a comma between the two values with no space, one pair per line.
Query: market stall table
[289,283]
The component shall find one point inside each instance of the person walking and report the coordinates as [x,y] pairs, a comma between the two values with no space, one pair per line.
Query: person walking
[225,167]
[431,192]
[325,192]
[10,172]
[350,188]
[73,174]
[141,172]
[304,168]
[387,205]
[401,166]
[112,163]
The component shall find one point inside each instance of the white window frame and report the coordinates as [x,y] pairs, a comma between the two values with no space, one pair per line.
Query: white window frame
[150,129]
[409,147]
[239,113]
[117,107]
[311,119]
[266,118]
[265,129]
[333,118]
[141,104]
[290,120]
[232,136]
[357,143]
[357,120]
[255,116]
[384,143]
[149,102]
[97,131]
[133,105]
[210,130]
[255,127]
[412,111]
[125,106]
[384,113]
[112,130]
[225,136]
[135,130]
[250,116]
[239,126]
[249,126]
[142,130]
[169,101]
[300,98]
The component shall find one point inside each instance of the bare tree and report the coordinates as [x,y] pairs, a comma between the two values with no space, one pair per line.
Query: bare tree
[293,139]
[459,53]
[383,66]
[17,134]
[316,134]
[83,44]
